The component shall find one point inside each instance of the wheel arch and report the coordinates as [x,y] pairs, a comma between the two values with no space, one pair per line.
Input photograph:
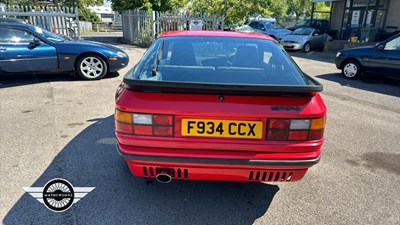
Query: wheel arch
[352,58]
[309,43]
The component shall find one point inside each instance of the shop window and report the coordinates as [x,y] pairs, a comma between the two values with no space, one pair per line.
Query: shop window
[363,3]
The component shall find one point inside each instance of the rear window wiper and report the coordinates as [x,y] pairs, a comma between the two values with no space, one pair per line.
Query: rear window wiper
[157,58]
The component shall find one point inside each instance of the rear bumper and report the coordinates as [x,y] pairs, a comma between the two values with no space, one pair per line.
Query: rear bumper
[191,168]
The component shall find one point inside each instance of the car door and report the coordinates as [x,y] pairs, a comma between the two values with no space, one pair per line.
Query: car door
[320,38]
[386,57]
[316,39]
[22,51]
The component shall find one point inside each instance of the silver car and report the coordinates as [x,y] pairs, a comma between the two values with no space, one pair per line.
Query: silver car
[304,39]
[269,28]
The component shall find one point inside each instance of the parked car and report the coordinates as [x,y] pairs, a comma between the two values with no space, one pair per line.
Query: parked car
[320,24]
[304,39]
[214,105]
[244,28]
[382,58]
[10,20]
[270,28]
[27,48]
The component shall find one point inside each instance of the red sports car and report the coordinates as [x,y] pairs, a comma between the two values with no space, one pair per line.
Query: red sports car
[210,105]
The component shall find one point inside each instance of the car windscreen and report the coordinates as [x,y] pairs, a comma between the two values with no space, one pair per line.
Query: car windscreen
[302,31]
[48,35]
[303,23]
[272,25]
[217,60]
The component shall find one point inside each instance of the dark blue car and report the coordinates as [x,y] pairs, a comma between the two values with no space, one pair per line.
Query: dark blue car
[382,58]
[25,48]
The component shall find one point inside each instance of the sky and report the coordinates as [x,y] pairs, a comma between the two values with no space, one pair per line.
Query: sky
[107,3]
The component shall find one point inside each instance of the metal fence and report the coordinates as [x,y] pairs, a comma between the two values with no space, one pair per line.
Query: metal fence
[60,20]
[107,27]
[142,27]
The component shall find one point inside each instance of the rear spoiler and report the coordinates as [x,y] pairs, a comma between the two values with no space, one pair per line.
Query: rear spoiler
[214,88]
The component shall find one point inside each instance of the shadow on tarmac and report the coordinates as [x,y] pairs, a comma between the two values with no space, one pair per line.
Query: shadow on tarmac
[90,160]
[370,82]
[15,80]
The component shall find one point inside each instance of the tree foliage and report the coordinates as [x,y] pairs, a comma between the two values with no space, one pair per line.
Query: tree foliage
[299,8]
[84,13]
[81,3]
[237,11]
[16,2]
[156,5]
[302,8]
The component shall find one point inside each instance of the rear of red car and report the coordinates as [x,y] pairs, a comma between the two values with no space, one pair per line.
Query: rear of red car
[170,127]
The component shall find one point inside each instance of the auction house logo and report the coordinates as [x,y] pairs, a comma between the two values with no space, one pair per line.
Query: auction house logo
[58,195]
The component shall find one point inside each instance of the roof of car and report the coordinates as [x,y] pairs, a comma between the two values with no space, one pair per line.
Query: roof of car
[216,34]
[17,25]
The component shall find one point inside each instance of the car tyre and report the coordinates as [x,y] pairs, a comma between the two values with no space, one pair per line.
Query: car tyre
[91,67]
[352,69]
[307,47]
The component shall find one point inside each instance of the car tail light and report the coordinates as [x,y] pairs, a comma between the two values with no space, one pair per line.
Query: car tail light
[295,129]
[144,124]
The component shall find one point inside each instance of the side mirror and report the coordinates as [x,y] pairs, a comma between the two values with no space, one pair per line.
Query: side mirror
[263,29]
[35,42]
[316,34]
[380,47]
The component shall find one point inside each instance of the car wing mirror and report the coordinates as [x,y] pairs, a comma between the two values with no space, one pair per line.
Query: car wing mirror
[35,42]
[380,47]
[316,34]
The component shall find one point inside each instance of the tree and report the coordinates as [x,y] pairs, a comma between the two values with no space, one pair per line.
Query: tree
[299,8]
[303,8]
[81,3]
[84,13]
[16,2]
[322,9]
[237,11]
[156,5]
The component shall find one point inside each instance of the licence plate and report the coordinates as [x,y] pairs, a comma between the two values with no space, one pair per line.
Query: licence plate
[222,128]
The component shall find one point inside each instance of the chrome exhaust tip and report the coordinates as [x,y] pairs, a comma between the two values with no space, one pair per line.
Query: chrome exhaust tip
[164,176]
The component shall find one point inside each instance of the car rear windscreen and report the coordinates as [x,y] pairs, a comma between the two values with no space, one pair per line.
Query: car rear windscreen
[220,60]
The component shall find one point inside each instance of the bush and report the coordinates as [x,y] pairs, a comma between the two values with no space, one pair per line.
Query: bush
[87,15]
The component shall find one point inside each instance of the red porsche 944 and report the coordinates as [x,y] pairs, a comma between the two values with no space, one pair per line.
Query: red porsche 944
[211,105]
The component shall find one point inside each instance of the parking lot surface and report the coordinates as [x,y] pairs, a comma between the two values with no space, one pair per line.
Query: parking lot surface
[56,126]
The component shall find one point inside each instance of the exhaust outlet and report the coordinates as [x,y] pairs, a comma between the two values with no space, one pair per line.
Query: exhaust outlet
[164,176]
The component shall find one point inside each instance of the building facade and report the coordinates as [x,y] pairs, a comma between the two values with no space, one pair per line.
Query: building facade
[351,17]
